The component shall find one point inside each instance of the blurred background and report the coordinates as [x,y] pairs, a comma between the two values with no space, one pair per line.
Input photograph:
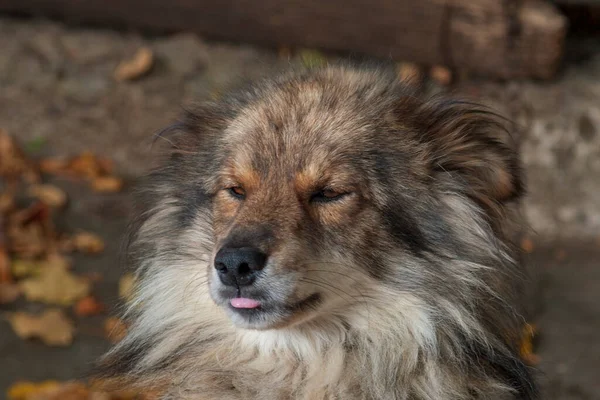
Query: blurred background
[84,85]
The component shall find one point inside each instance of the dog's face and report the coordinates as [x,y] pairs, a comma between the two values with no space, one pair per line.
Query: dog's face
[326,190]
[295,216]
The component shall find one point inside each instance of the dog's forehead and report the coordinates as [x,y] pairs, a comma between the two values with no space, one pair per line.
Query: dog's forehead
[306,130]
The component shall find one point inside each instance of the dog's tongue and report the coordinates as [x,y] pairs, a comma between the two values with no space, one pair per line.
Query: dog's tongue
[242,302]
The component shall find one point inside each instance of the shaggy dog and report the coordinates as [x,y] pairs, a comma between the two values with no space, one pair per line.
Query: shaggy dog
[328,234]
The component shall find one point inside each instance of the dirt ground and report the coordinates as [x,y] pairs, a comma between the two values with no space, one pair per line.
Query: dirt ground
[58,97]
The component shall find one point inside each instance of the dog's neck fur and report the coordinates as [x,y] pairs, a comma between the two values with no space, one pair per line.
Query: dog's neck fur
[336,356]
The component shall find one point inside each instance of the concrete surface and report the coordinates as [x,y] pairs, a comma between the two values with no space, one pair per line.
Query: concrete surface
[57,96]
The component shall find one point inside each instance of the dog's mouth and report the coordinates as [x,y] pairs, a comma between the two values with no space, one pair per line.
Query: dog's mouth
[253,310]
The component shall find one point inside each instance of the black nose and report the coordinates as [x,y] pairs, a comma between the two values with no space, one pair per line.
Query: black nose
[239,266]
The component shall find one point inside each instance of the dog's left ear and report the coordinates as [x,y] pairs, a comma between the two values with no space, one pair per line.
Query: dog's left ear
[474,146]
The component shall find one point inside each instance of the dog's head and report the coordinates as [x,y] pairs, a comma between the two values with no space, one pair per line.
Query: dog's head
[308,195]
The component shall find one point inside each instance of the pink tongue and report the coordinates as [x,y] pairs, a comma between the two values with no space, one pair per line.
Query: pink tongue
[242,302]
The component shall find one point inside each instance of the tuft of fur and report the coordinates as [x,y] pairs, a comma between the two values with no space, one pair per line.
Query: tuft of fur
[419,283]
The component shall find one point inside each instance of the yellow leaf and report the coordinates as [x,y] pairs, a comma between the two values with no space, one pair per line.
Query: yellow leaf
[26,390]
[126,284]
[526,350]
[55,285]
[23,268]
[52,327]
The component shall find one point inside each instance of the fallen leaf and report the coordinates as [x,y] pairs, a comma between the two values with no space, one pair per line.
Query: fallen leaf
[27,241]
[89,243]
[84,165]
[23,268]
[107,184]
[55,285]
[9,292]
[106,165]
[89,306]
[13,164]
[527,245]
[526,349]
[7,202]
[53,165]
[115,329]
[52,327]
[441,75]
[74,390]
[5,273]
[29,390]
[52,390]
[36,212]
[136,66]
[409,72]
[49,194]
[126,284]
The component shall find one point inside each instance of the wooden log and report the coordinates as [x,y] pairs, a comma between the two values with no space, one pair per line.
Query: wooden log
[500,38]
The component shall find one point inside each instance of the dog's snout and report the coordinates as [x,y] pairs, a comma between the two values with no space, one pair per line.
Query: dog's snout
[239,266]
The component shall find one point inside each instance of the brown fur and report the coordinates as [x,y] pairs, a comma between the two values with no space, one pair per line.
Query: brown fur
[406,286]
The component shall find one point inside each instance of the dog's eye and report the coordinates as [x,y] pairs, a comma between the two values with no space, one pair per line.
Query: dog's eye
[237,191]
[327,195]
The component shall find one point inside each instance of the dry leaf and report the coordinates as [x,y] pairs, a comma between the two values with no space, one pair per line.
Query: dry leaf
[7,202]
[9,292]
[105,165]
[89,306]
[24,268]
[135,67]
[49,194]
[55,285]
[89,243]
[13,164]
[114,329]
[5,274]
[53,165]
[73,390]
[527,245]
[84,165]
[126,284]
[28,241]
[526,350]
[409,72]
[107,184]
[52,327]
[30,390]
[441,75]
[52,390]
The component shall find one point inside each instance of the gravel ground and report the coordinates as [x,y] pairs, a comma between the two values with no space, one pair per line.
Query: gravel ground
[58,96]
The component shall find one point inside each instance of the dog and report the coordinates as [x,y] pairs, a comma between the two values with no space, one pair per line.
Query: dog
[330,233]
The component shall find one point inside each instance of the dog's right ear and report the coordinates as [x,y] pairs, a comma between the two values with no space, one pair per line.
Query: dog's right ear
[473,147]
